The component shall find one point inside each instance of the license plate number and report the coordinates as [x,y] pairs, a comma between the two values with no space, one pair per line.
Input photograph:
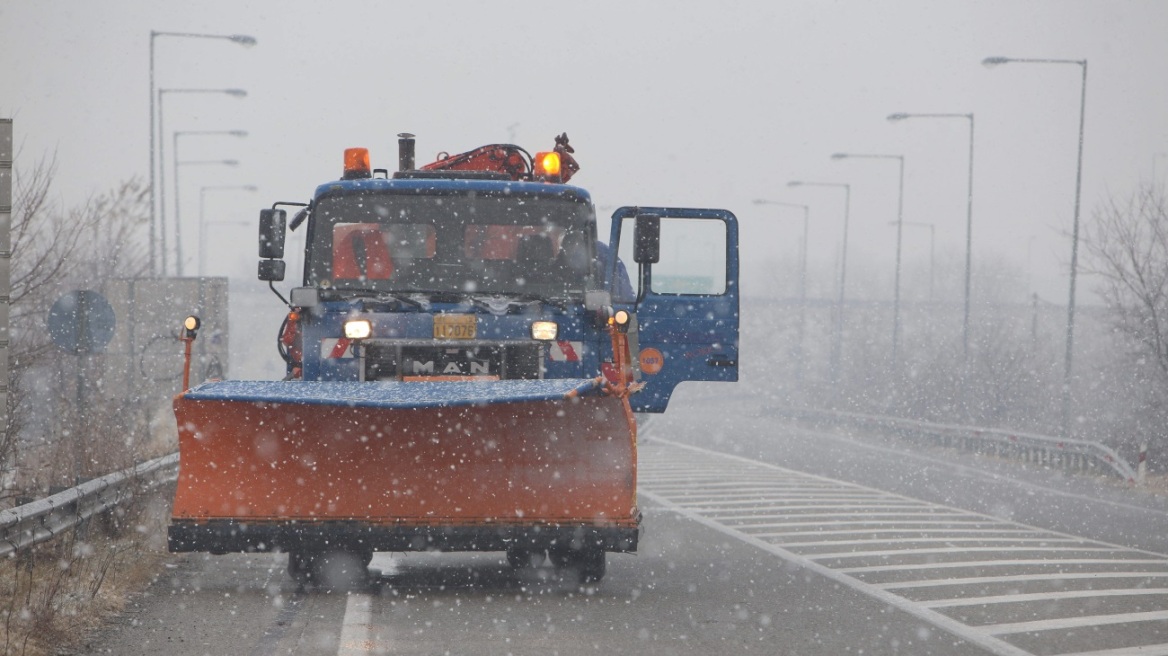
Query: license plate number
[455,326]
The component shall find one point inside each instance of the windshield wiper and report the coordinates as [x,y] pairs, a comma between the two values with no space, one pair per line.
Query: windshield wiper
[523,297]
[381,295]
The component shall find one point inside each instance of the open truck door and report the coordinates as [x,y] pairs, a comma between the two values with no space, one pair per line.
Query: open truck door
[683,267]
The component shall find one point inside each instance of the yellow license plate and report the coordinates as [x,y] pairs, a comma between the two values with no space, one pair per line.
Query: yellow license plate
[455,326]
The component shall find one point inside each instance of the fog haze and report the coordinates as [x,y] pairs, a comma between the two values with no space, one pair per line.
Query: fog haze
[679,103]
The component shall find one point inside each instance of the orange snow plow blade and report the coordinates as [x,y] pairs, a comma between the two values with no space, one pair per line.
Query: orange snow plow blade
[403,466]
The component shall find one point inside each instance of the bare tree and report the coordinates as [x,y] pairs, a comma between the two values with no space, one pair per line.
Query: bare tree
[55,250]
[1127,249]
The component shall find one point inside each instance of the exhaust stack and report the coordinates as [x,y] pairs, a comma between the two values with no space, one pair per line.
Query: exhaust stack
[405,152]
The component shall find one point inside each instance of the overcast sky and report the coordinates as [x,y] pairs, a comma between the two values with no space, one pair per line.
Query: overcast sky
[672,103]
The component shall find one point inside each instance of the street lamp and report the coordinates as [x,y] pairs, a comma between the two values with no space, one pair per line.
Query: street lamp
[1155,157]
[203,223]
[178,264]
[802,279]
[968,220]
[201,162]
[837,342]
[899,235]
[1069,356]
[236,93]
[932,248]
[241,39]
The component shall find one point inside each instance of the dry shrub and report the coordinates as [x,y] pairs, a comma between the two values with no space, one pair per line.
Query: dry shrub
[54,593]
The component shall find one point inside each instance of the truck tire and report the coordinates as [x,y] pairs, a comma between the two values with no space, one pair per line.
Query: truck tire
[340,569]
[589,564]
[523,558]
[300,565]
[592,563]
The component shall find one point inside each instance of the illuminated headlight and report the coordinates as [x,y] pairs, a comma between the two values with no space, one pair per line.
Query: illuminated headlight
[358,329]
[545,330]
[621,317]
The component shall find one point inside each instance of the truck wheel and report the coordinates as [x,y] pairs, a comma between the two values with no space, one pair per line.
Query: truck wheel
[593,564]
[561,557]
[589,563]
[340,569]
[300,565]
[522,558]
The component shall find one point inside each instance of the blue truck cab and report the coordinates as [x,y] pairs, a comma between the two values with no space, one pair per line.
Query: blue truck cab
[459,276]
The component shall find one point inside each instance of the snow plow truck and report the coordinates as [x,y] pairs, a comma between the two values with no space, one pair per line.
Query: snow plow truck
[465,356]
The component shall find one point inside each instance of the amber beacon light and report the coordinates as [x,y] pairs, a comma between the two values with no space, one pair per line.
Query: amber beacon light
[356,163]
[547,165]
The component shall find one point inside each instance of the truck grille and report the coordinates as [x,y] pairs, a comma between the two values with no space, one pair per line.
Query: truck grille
[395,360]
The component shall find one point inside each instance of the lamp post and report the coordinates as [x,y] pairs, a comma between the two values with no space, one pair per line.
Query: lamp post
[241,39]
[203,223]
[899,235]
[968,221]
[802,279]
[200,162]
[178,264]
[932,248]
[837,342]
[1068,359]
[1155,157]
[237,93]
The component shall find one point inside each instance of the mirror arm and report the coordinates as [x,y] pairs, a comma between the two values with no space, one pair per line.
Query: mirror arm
[272,286]
[643,275]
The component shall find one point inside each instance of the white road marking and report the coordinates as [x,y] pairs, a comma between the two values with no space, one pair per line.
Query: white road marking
[990,643]
[359,637]
[941,539]
[789,519]
[1142,650]
[1043,596]
[1004,563]
[917,531]
[932,523]
[859,516]
[912,552]
[1073,622]
[357,627]
[780,504]
[1019,578]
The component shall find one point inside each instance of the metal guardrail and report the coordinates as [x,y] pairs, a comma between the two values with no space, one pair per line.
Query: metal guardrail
[1067,453]
[44,519]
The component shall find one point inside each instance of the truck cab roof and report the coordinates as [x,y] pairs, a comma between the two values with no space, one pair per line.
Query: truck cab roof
[440,185]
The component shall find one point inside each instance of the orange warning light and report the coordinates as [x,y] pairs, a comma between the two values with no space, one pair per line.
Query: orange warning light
[547,165]
[356,163]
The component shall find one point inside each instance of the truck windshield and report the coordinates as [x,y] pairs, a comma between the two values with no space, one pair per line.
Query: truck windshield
[460,243]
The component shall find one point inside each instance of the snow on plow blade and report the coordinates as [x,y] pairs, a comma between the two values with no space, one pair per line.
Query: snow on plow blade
[268,465]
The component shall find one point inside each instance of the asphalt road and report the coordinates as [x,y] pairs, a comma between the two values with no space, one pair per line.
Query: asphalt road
[690,591]
[714,575]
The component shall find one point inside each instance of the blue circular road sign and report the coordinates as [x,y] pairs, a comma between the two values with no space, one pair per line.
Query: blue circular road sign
[81,322]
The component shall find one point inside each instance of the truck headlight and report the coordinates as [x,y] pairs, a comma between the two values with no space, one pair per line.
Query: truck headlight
[358,328]
[544,330]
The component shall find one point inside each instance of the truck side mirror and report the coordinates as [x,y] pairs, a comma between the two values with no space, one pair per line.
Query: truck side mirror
[647,239]
[271,270]
[272,227]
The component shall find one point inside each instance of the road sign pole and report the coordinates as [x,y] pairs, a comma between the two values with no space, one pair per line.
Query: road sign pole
[81,323]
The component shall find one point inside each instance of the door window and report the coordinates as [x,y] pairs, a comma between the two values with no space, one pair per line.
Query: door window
[693,256]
